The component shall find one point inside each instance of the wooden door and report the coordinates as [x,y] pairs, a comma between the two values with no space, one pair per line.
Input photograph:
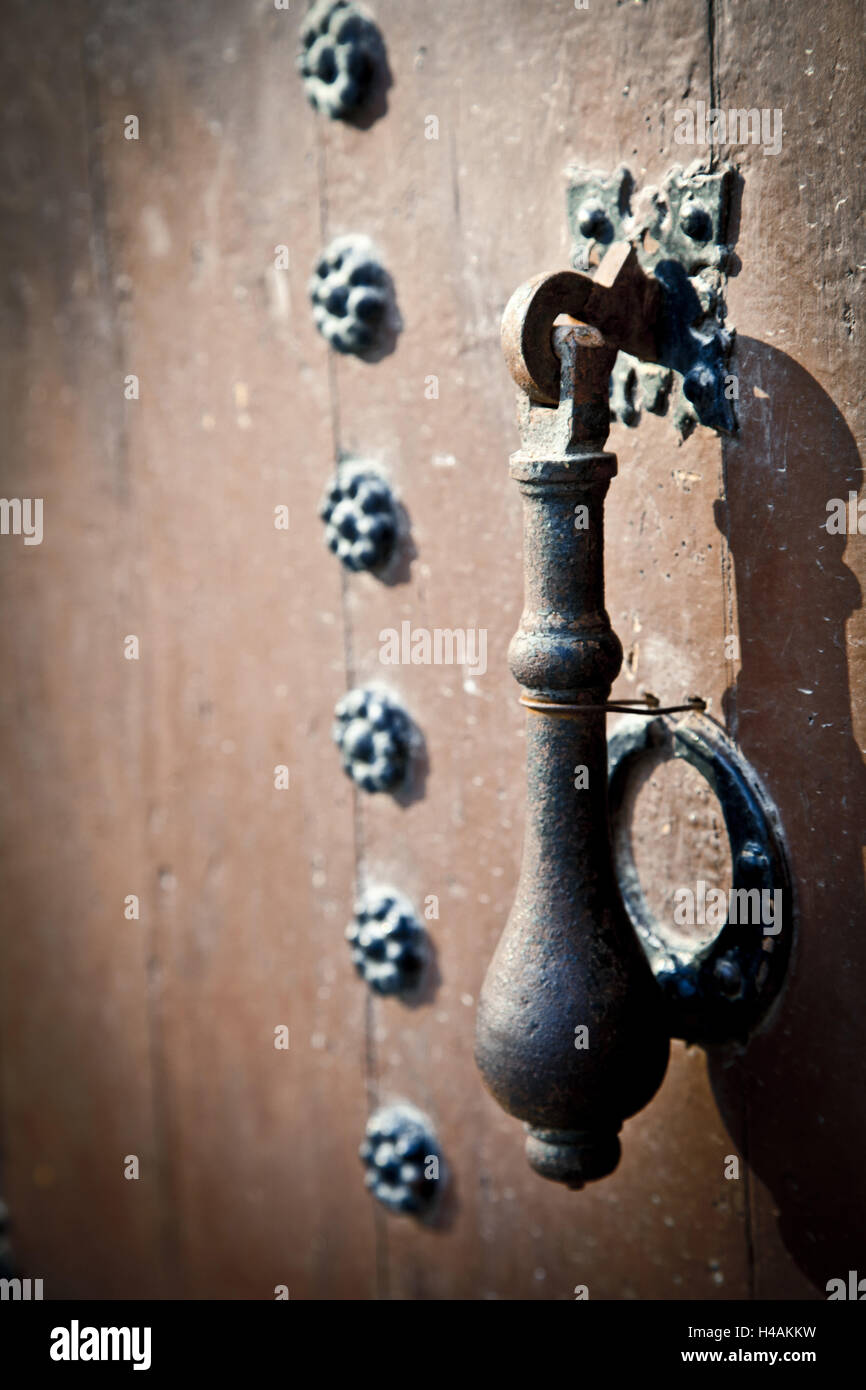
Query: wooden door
[152,1036]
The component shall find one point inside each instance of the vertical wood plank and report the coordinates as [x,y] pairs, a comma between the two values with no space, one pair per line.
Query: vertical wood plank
[156,777]
[75,1017]
[461,221]
[797,704]
[242,885]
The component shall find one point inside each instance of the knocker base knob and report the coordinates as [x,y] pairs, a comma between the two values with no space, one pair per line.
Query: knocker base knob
[572,1156]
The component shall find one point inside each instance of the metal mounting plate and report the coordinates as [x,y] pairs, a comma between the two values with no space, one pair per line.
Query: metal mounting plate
[720,991]
[679,231]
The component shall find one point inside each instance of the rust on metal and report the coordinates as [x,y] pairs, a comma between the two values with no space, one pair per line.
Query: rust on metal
[571,1033]
[649,708]
[622,302]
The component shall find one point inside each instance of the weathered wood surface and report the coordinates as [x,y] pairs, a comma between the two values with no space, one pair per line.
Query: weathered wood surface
[156,777]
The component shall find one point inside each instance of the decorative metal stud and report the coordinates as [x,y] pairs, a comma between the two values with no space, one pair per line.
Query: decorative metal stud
[402,1159]
[350,292]
[593,221]
[387,941]
[360,517]
[680,235]
[373,734]
[342,49]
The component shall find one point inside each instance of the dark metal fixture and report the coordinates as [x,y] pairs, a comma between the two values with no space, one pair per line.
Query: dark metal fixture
[340,53]
[680,233]
[360,517]
[573,1029]
[388,942]
[374,734]
[350,292]
[402,1160]
[720,989]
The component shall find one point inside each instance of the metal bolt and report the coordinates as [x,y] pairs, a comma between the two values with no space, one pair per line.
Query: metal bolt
[695,220]
[752,856]
[699,387]
[728,974]
[592,219]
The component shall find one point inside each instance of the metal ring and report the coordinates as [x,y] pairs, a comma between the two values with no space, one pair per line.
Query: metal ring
[721,990]
[527,325]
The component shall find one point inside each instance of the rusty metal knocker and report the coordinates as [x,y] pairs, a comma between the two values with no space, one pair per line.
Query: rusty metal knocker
[573,1029]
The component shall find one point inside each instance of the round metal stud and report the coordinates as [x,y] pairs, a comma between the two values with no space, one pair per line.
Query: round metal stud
[341,51]
[700,386]
[387,941]
[360,517]
[402,1160]
[373,734]
[350,293]
[593,221]
[695,220]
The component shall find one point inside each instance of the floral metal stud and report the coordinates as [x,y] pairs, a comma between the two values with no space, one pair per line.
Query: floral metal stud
[373,734]
[360,517]
[387,941]
[341,51]
[402,1159]
[350,292]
